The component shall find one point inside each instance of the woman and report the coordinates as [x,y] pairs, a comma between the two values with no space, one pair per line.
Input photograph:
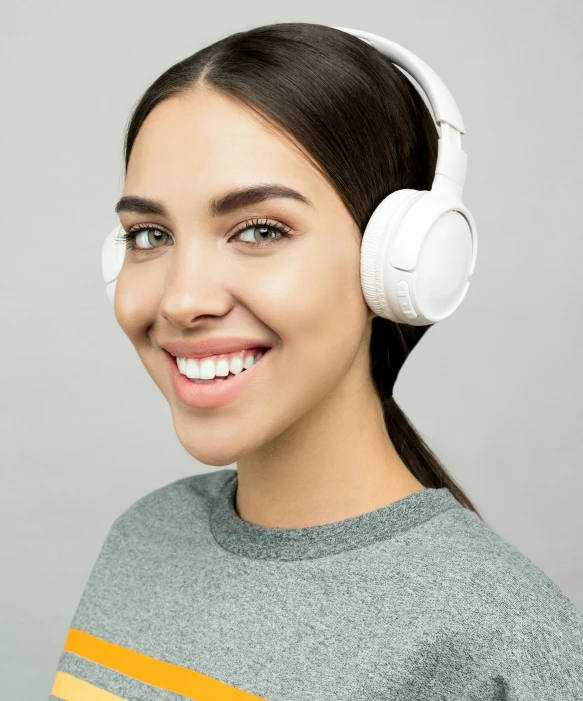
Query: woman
[340,560]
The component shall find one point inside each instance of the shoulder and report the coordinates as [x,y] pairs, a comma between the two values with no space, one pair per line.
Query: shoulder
[483,559]
[498,595]
[185,501]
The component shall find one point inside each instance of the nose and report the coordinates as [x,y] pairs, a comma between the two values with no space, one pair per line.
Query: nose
[195,285]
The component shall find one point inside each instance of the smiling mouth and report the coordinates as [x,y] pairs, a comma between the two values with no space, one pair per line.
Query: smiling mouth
[224,378]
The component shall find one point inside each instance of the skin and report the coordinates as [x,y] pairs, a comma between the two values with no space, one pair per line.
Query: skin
[307,435]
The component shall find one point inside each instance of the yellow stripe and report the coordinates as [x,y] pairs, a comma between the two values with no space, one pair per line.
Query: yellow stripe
[148,670]
[70,688]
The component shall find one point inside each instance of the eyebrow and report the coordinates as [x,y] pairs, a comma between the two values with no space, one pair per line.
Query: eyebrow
[236,199]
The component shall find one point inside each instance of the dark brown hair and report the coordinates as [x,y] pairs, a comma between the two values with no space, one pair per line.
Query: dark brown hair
[366,128]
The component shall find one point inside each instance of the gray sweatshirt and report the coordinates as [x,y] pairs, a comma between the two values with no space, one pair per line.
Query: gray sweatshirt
[419,600]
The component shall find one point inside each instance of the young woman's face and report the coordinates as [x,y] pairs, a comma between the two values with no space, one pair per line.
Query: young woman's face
[196,280]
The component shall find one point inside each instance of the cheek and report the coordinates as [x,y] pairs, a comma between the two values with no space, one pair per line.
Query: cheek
[313,302]
[328,291]
[133,306]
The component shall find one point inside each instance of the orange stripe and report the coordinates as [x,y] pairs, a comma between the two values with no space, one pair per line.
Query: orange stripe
[70,688]
[148,670]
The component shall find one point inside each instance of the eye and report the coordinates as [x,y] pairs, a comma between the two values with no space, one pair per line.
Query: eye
[261,226]
[128,237]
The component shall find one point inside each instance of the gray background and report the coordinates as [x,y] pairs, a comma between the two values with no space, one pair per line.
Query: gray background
[495,390]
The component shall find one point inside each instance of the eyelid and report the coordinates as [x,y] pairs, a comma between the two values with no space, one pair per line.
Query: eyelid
[145,225]
[237,229]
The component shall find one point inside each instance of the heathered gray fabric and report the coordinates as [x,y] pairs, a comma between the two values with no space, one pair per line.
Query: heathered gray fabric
[416,601]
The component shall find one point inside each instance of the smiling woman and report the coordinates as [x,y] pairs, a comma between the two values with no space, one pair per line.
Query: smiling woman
[340,560]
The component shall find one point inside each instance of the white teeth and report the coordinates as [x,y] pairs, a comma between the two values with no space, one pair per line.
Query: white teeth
[235,366]
[222,368]
[249,360]
[207,369]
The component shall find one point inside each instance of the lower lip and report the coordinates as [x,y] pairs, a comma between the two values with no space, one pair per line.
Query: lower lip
[213,394]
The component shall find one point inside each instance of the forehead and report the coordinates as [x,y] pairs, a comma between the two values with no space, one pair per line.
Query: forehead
[204,141]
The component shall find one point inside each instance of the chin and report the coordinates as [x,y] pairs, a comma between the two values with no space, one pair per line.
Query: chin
[218,451]
[214,460]
[209,452]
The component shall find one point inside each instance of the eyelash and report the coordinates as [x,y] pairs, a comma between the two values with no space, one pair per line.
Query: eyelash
[128,237]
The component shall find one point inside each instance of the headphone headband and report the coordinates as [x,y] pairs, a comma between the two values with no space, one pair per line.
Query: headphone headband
[440,98]
[450,170]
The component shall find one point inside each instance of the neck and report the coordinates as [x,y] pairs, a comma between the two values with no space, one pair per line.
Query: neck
[337,462]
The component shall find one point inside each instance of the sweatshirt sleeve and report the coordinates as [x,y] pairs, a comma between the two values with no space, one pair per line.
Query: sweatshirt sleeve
[540,661]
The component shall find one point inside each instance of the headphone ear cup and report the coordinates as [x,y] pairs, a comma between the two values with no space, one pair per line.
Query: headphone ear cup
[112,256]
[418,251]
[445,259]
[376,249]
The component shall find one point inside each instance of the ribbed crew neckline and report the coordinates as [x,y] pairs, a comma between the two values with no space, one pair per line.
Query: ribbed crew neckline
[242,538]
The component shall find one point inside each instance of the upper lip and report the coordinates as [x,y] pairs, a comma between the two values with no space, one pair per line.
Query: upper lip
[212,346]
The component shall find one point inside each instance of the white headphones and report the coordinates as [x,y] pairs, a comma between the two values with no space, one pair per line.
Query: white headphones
[419,247]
